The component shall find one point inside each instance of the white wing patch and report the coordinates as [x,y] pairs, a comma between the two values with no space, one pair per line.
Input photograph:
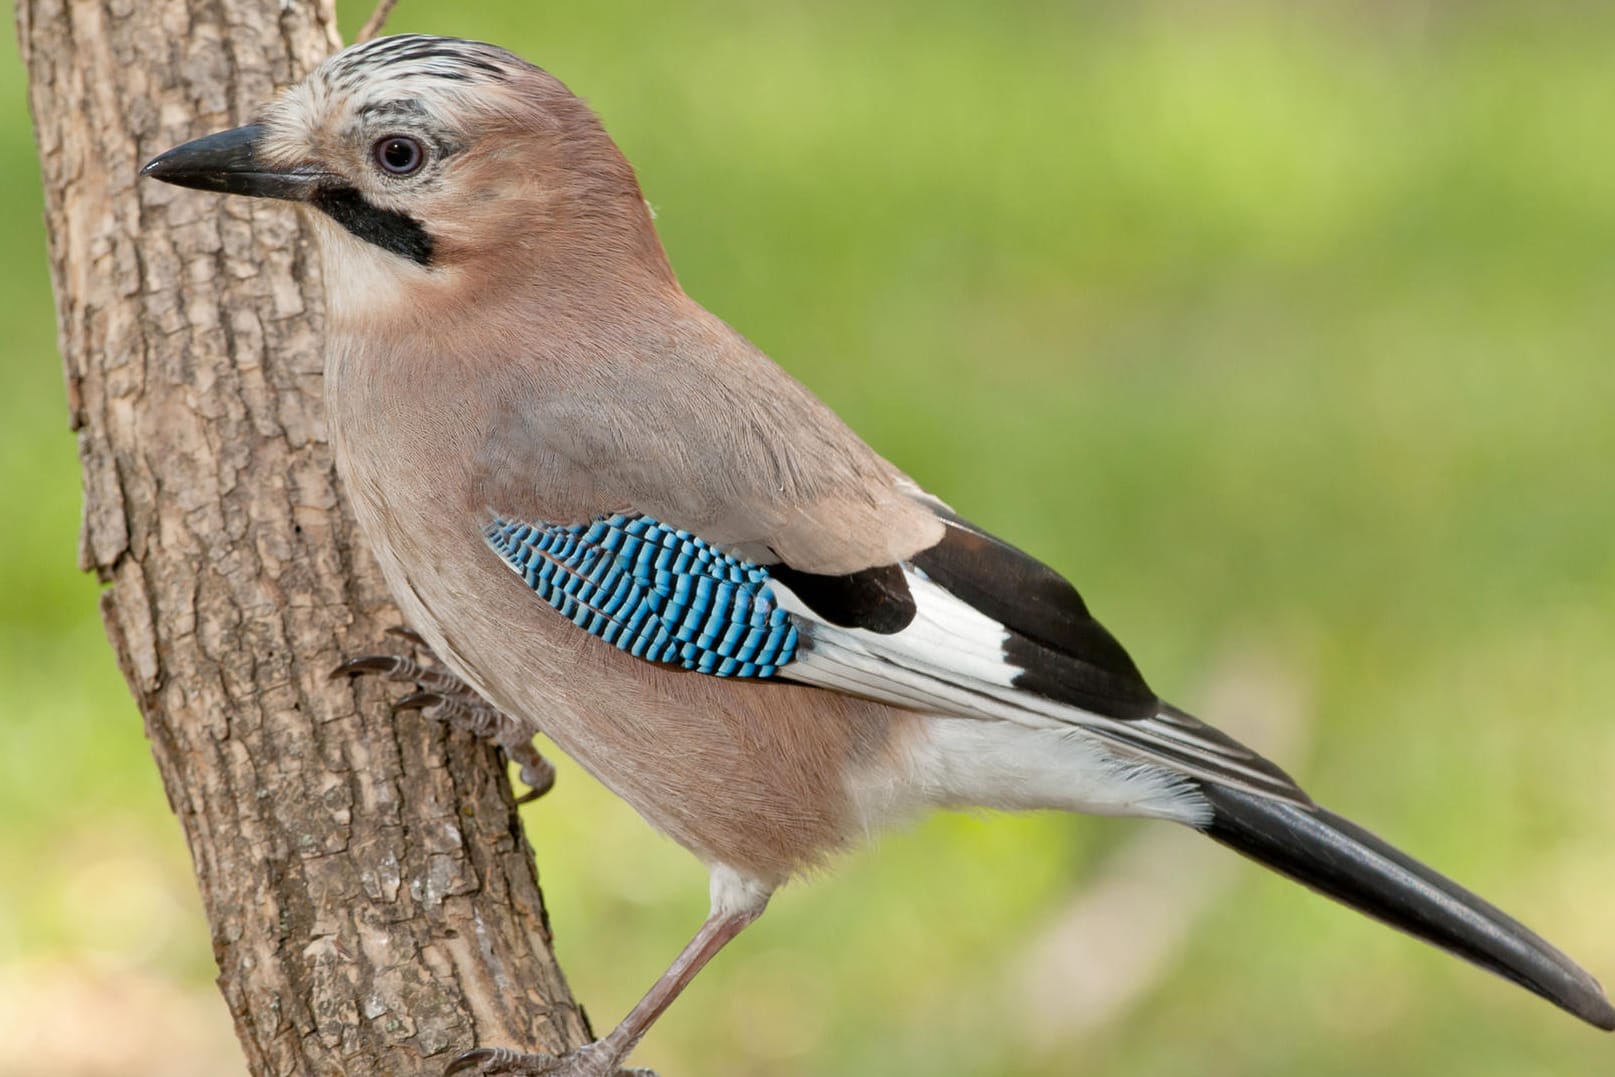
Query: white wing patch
[950,660]
[945,629]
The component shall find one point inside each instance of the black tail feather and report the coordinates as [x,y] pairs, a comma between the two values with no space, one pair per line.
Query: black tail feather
[1342,860]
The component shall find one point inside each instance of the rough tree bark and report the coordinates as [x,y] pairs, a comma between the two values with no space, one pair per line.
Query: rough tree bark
[373,902]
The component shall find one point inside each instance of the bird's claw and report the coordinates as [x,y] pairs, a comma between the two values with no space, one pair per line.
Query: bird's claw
[537,772]
[441,696]
[537,783]
[476,1060]
[387,664]
[587,1061]
[418,701]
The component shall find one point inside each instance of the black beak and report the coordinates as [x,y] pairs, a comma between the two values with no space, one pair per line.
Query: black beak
[229,162]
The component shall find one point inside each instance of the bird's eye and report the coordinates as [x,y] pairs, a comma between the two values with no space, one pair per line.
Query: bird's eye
[398,155]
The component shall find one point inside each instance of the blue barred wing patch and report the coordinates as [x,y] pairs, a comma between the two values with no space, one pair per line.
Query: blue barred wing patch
[656,592]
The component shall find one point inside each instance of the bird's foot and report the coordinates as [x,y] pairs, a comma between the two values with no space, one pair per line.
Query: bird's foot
[442,696]
[592,1060]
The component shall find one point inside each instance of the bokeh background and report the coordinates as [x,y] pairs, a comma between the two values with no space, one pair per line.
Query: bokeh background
[1285,330]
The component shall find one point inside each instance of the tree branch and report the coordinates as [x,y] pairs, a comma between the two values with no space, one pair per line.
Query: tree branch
[372,900]
[378,19]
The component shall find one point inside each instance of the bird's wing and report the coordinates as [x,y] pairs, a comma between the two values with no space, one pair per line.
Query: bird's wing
[755,535]
[974,627]
[969,627]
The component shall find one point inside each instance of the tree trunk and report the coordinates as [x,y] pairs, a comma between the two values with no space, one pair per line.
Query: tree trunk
[373,902]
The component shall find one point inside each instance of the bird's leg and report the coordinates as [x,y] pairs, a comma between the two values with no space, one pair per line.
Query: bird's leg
[604,1056]
[442,696]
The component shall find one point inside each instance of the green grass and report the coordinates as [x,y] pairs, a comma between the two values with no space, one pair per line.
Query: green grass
[1278,329]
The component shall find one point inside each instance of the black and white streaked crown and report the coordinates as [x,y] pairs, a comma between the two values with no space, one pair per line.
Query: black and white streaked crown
[420,56]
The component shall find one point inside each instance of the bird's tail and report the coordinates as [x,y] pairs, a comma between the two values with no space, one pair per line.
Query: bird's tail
[1342,860]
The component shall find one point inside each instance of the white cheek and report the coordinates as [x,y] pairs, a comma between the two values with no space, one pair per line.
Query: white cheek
[361,279]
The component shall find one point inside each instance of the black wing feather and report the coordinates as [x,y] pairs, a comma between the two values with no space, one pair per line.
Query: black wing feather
[1051,648]
[876,599]
[1064,653]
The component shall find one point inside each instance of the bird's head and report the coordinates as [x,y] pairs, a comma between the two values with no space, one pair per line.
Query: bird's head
[436,165]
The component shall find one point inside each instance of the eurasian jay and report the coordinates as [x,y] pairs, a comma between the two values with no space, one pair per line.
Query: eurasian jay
[616,521]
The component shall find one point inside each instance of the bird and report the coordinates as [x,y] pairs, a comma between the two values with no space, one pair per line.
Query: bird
[614,520]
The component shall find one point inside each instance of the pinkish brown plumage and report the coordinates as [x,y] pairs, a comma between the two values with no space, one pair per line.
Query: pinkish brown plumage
[724,604]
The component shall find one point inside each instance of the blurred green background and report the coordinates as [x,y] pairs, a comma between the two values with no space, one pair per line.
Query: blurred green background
[1285,330]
